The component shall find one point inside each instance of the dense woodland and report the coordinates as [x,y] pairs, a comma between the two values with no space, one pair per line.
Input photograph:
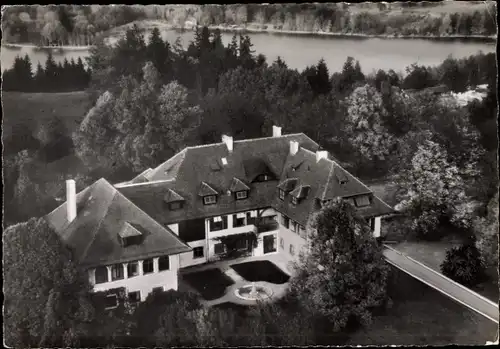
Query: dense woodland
[82,24]
[151,100]
[60,77]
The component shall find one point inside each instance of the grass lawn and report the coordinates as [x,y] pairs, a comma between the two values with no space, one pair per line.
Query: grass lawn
[421,315]
[210,283]
[261,271]
[31,109]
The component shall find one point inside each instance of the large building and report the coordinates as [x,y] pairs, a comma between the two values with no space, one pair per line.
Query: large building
[138,234]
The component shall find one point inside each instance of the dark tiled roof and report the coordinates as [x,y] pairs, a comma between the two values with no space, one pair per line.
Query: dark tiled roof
[255,167]
[172,196]
[195,169]
[238,185]
[102,212]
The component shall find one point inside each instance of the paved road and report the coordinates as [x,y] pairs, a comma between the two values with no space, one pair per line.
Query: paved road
[443,284]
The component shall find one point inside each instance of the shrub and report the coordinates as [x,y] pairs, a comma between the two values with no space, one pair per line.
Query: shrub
[464,265]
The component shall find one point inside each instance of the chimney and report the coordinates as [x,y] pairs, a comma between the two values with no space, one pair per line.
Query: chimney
[276,131]
[229,142]
[294,147]
[70,200]
[321,154]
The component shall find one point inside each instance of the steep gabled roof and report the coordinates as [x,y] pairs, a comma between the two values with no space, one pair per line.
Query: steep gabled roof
[238,185]
[102,212]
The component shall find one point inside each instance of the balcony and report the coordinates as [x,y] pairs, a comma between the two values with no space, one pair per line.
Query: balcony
[266,224]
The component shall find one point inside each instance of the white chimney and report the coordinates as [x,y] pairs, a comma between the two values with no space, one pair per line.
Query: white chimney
[229,142]
[276,131]
[71,199]
[294,147]
[321,154]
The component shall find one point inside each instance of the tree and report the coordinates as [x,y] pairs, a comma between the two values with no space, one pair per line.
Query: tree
[486,231]
[343,276]
[434,193]
[418,77]
[364,124]
[452,76]
[464,265]
[158,53]
[46,294]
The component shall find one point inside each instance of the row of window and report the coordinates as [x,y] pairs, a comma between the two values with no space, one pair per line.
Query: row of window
[111,300]
[239,220]
[282,195]
[292,225]
[118,272]
[212,199]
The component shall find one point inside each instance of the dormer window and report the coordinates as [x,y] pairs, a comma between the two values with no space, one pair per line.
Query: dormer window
[299,193]
[241,195]
[282,194]
[210,200]
[263,178]
[174,206]
[208,194]
[362,201]
[173,200]
[130,235]
[295,201]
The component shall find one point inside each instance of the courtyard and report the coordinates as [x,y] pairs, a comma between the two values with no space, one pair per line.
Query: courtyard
[216,283]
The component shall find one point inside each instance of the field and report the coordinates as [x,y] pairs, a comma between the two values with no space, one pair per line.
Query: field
[421,315]
[29,110]
[24,116]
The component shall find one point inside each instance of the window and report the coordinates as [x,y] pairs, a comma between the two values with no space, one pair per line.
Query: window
[210,199]
[292,250]
[372,224]
[147,266]
[282,243]
[134,297]
[263,178]
[282,194]
[285,221]
[164,263]
[294,201]
[241,195]
[132,269]
[362,201]
[218,223]
[219,248]
[101,275]
[174,206]
[242,244]
[295,227]
[238,220]
[116,272]
[111,301]
[198,252]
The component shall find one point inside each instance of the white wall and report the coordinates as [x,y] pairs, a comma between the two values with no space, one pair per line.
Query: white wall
[145,283]
[290,238]
[376,230]
[259,250]
[174,228]
[187,259]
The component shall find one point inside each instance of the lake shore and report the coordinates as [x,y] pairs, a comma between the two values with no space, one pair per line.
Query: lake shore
[148,25]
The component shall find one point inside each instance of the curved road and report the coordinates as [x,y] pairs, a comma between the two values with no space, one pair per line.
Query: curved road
[443,284]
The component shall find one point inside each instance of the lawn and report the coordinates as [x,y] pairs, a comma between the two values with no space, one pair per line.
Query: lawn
[421,315]
[210,283]
[31,109]
[261,271]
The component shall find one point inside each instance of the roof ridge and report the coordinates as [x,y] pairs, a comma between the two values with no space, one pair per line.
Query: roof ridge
[330,174]
[121,185]
[98,226]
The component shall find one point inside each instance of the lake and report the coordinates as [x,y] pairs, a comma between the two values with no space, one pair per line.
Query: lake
[299,51]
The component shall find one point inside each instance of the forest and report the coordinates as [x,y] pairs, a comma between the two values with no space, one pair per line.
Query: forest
[76,25]
[150,100]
